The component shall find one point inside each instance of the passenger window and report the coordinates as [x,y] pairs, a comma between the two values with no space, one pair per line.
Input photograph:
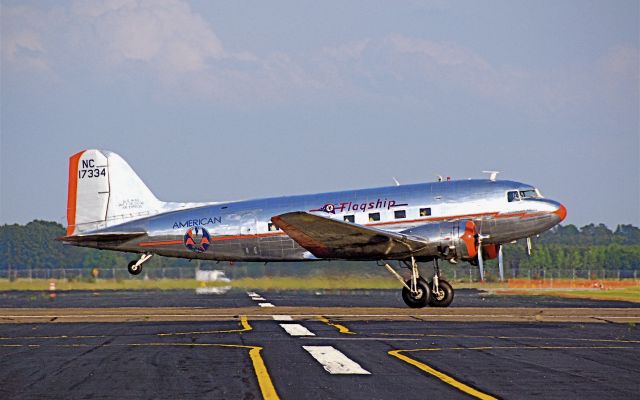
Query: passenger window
[374,217]
[513,196]
[273,227]
[425,212]
[398,214]
[350,218]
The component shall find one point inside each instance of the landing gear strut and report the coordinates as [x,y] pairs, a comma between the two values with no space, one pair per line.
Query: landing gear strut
[441,290]
[135,267]
[418,293]
[418,298]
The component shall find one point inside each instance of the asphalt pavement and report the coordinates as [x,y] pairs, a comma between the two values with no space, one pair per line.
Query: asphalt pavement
[293,298]
[235,348]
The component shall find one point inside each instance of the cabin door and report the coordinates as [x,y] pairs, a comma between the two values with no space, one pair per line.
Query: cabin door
[248,228]
[248,223]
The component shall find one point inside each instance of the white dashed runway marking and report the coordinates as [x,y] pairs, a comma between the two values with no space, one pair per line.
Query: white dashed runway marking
[296,330]
[266,305]
[282,317]
[254,295]
[334,361]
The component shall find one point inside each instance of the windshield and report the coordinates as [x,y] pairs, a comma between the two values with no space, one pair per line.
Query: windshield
[516,195]
[526,194]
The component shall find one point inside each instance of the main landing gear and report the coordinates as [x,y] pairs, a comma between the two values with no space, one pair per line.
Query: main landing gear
[442,292]
[135,267]
[418,293]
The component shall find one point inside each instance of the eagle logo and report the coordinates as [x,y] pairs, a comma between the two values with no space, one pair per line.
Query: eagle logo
[197,239]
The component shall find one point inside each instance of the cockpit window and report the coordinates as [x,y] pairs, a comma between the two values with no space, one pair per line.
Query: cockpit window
[528,194]
[516,195]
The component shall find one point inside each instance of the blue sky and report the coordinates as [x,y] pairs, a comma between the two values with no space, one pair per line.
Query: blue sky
[217,100]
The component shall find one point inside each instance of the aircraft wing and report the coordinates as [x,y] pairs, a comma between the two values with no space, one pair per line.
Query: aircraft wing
[328,238]
[101,237]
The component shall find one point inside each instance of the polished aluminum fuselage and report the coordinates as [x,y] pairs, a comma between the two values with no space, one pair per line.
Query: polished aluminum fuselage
[241,230]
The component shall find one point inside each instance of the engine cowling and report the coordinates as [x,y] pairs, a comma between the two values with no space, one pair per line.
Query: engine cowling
[449,240]
[490,251]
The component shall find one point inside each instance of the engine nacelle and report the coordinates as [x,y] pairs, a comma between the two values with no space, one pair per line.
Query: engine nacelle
[449,240]
[490,251]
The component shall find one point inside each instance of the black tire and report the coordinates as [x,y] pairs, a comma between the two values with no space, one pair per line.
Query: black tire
[421,299]
[444,297]
[133,270]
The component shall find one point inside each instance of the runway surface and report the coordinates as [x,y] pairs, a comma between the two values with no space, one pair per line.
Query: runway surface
[329,345]
[316,298]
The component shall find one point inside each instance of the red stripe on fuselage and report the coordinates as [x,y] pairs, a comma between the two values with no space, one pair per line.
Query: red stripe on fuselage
[160,243]
[408,221]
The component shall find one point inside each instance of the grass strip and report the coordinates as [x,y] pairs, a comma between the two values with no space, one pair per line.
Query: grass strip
[302,283]
[631,294]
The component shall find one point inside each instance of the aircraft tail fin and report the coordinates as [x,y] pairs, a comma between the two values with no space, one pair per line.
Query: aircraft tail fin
[105,191]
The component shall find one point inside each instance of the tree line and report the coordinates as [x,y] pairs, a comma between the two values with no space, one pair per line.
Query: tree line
[590,247]
[33,246]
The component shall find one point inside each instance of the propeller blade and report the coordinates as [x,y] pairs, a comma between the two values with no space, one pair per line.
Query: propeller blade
[500,263]
[480,263]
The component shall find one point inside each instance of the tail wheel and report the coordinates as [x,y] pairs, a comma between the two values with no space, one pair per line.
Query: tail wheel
[133,268]
[418,299]
[443,296]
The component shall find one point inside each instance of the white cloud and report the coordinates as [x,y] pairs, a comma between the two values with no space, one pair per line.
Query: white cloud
[447,54]
[621,64]
[168,44]
[22,44]
[166,34]
[25,48]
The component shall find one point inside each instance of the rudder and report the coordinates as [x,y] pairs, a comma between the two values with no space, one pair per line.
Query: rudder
[104,191]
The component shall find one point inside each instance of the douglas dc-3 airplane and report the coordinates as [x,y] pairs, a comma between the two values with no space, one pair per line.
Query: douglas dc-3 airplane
[109,207]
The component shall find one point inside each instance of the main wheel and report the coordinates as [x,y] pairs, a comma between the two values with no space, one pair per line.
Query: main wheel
[443,297]
[133,268]
[420,298]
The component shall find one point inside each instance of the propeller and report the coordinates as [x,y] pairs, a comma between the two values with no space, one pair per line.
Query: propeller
[481,260]
[500,263]
[480,264]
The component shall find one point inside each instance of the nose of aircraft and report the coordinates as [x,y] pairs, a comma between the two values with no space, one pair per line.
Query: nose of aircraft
[551,207]
[561,212]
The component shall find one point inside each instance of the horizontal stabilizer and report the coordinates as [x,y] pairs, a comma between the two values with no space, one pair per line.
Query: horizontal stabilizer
[328,238]
[102,237]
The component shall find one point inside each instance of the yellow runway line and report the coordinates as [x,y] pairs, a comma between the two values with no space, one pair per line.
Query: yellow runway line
[441,375]
[483,348]
[264,379]
[53,337]
[341,328]
[454,336]
[475,392]
[244,322]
